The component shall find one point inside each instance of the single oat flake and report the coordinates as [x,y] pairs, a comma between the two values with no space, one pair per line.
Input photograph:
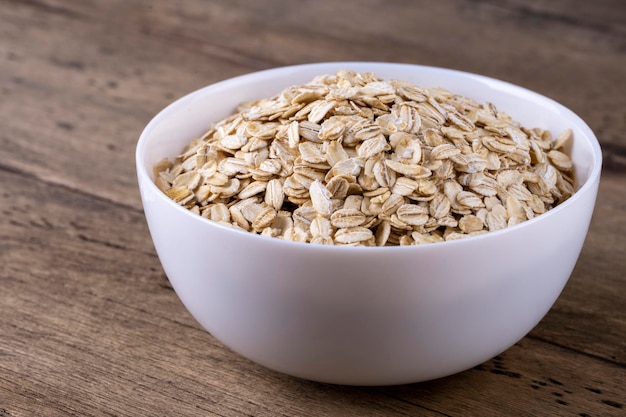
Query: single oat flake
[352,159]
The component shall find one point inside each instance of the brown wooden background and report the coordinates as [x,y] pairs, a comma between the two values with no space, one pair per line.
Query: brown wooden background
[89,325]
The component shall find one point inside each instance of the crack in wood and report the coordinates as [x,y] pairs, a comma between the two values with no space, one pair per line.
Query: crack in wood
[98,198]
[101,242]
[48,8]
[574,350]
[527,12]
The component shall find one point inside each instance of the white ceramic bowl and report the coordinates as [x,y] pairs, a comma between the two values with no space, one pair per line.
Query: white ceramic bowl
[366,316]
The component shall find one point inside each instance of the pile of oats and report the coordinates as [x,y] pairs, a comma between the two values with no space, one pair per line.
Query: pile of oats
[351,159]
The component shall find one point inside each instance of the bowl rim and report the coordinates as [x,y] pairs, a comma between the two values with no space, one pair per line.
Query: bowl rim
[145,178]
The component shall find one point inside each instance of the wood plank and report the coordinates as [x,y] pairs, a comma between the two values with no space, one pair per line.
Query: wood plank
[90,327]
[530,379]
[97,72]
[71,98]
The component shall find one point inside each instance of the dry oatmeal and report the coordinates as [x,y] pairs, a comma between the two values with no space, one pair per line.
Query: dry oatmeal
[351,159]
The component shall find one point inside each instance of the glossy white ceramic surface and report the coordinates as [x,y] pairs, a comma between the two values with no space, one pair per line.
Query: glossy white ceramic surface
[366,316]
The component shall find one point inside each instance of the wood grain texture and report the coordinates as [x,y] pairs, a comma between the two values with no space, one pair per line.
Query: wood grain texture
[90,325]
[112,65]
[90,318]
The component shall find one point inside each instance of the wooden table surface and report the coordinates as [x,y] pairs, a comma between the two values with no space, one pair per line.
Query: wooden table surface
[89,325]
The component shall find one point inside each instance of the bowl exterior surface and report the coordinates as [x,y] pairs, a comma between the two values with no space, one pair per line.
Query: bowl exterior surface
[366,316]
